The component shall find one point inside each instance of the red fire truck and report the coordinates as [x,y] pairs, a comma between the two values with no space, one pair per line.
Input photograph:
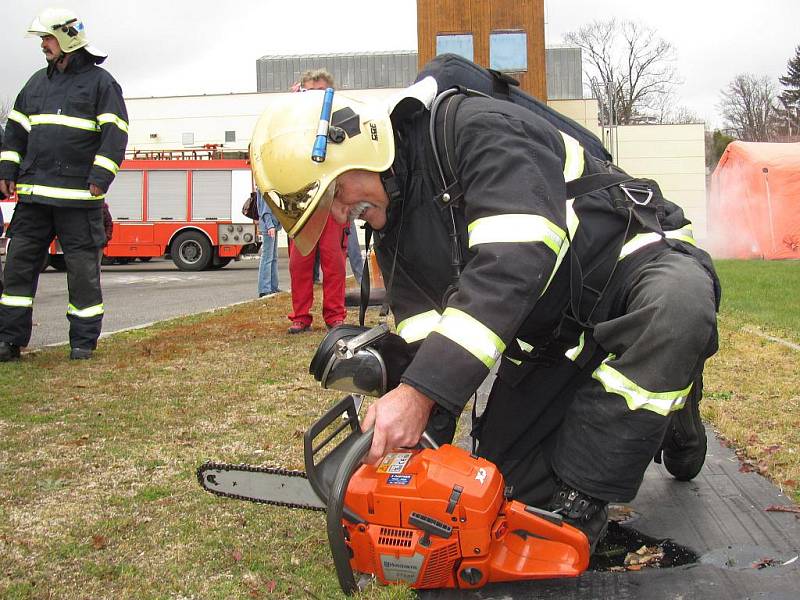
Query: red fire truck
[184,204]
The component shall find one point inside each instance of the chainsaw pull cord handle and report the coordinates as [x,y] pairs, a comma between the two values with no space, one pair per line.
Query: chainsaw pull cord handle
[335,513]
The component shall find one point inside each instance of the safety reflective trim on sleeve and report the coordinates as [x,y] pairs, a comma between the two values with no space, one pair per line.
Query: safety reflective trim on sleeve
[637,397]
[85,313]
[637,242]
[113,119]
[574,353]
[27,189]
[574,162]
[516,228]
[23,120]
[106,163]
[472,335]
[17,301]
[572,226]
[11,156]
[66,121]
[418,327]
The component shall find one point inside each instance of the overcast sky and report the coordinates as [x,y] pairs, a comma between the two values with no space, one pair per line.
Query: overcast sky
[176,47]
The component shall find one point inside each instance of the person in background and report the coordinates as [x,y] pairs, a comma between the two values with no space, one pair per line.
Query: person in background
[269,227]
[331,247]
[354,251]
[64,142]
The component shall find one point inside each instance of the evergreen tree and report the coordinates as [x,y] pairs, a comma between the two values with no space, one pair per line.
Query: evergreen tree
[791,81]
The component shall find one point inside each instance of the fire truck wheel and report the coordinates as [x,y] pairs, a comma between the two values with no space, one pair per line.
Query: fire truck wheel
[58,262]
[191,251]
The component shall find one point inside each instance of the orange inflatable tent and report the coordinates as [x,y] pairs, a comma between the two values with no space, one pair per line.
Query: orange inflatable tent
[754,208]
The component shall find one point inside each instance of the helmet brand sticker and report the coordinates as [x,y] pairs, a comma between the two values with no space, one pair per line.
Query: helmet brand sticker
[399,479]
[373,132]
[394,462]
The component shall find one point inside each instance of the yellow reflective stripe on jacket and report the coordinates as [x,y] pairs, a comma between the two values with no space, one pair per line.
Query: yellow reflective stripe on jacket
[574,161]
[10,155]
[18,301]
[575,352]
[516,228]
[23,120]
[106,163]
[27,189]
[66,121]
[113,119]
[418,327]
[472,335]
[85,313]
[637,242]
[637,397]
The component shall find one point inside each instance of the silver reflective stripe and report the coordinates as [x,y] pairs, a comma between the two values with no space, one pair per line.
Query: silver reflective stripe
[106,163]
[472,335]
[10,155]
[575,352]
[418,327]
[23,120]
[516,228]
[85,313]
[641,240]
[27,189]
[18,301]
[114,119]
[637,397]
[574,161]
[66,121]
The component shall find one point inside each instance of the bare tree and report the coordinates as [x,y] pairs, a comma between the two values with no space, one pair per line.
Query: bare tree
[749,108]
[630,69]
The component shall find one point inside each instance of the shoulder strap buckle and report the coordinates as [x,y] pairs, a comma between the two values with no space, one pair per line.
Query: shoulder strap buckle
[630,191]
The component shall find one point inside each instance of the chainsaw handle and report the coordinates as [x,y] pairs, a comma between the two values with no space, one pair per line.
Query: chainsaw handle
[341,554]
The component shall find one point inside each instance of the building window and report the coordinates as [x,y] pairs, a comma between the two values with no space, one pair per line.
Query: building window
[460,44]
[508,51]
[187,139]
[230,136]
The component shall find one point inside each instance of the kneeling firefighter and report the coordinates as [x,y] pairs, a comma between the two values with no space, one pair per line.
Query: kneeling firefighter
[500,239]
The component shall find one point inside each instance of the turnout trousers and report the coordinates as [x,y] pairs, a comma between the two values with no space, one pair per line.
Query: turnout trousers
[596,424]
[332,247]
[81,234]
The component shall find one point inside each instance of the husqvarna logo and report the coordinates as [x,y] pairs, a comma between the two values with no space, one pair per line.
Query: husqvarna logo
[481,475]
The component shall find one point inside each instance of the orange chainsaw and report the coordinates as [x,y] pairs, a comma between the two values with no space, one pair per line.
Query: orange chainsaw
[430,518]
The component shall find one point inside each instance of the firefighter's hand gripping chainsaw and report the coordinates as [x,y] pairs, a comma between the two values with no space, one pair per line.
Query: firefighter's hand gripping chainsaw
[434,517]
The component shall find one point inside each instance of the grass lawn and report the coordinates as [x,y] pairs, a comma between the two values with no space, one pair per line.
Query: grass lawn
[98,496]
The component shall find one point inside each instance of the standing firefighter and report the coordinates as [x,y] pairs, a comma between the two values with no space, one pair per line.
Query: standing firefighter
[598,305]
[65,139]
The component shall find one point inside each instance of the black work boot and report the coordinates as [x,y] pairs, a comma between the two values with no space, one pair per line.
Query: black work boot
[80,354]
[580,510]
[685,443]
[8,352]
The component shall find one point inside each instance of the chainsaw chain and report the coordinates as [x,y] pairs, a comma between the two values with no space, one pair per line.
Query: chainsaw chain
[209,465]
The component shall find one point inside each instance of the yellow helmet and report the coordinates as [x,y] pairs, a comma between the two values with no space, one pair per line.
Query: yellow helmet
[66,27]
[299,189]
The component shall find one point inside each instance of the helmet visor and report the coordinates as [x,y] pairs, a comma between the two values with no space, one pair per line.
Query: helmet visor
[302,222]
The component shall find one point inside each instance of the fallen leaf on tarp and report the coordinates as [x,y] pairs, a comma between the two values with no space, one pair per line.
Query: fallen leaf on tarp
[764,563]
[646,555]
[782,508]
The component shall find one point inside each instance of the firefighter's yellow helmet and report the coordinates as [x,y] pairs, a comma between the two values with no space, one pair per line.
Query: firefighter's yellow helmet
[66,27]
[298,189]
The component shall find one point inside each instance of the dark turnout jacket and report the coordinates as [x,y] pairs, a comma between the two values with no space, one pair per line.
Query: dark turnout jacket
[515,228]
[66,131]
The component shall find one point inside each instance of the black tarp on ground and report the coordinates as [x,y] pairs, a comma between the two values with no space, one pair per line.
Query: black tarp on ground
[720,515]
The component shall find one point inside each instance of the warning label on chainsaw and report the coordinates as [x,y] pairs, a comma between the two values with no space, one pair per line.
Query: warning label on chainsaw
[394,462]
